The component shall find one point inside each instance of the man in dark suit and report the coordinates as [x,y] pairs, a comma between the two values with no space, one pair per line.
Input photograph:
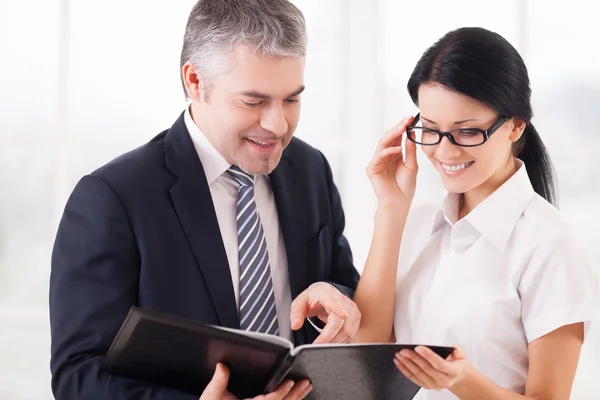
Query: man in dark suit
[224,218]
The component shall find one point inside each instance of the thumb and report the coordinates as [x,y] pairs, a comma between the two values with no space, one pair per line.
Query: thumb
[457,354]
[217,388]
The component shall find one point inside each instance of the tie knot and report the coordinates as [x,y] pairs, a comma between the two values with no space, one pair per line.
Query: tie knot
[241,177]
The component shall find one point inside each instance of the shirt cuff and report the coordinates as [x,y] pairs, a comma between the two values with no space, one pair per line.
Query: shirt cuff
[315,322]
[559,317]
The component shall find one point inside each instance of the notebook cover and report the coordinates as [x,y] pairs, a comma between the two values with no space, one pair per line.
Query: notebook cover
[352,372]
[179,353]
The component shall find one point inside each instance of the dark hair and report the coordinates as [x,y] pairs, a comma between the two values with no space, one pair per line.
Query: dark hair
[486,67]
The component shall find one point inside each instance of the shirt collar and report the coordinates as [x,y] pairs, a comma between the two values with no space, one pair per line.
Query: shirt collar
[497,215]
[448,214]
[213,162]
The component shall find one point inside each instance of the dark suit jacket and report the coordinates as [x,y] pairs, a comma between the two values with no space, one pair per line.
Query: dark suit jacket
[142,231]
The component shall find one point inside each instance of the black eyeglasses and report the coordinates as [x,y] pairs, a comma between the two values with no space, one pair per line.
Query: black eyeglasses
[465,137]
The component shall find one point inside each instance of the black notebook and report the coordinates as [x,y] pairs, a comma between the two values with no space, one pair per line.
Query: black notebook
[183,354]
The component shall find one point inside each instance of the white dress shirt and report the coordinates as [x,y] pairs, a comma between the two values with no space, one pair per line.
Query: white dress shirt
[508,273]
[224,192]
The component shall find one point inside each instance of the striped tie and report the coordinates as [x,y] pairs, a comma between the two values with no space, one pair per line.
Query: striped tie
[257,299]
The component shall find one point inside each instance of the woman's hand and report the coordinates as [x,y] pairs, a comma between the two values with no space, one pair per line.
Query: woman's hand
[430,371]
[394,180]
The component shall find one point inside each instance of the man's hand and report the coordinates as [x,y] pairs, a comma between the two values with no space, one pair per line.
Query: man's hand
[324,301]
[288,390]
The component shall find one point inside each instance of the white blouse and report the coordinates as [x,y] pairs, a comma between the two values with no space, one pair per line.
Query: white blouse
[508,273]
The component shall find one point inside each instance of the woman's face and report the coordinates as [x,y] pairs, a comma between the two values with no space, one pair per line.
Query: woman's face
[467,169]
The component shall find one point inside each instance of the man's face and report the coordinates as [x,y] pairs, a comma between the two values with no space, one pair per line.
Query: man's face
[250,112]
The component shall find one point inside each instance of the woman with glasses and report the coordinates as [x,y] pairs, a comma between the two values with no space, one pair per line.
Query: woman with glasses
[494,271]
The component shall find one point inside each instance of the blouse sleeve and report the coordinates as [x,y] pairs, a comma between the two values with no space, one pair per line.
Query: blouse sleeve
[559,287]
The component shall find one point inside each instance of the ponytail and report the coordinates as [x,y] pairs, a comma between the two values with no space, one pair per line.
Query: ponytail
[531,150]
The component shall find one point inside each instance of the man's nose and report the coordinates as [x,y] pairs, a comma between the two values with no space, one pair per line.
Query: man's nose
[273,120]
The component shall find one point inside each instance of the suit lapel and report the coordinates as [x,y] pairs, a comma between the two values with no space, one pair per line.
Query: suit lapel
[292,220]
[194,207]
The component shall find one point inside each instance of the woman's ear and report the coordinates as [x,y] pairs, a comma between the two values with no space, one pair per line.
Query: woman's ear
[517,129]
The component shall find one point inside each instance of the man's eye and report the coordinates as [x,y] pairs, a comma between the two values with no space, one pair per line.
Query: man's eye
[250,104]
[291,101]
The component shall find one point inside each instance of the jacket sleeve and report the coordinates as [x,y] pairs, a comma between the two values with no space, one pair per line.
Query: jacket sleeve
[95,271]
[343,275]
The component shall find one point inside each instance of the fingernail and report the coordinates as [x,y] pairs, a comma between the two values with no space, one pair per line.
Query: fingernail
[289,386]
[420,350]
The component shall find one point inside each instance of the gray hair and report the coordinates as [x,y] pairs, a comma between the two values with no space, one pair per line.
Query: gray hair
[273,28]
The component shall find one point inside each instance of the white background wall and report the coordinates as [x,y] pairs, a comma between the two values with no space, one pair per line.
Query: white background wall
[83,81]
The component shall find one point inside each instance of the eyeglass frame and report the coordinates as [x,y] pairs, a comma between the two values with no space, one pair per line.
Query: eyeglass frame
[448,134]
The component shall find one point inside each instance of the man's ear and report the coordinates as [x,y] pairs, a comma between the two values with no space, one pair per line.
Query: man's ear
[193,82]
[518,127]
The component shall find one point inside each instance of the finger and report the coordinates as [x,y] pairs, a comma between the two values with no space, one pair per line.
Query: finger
[411,371]
[298,391]
[342,336]
[406,372]
[313,309]
[306,392]
[394,133]
[357,320]
[324,309]
[332,327]
[411,156]
[330,299]
[217,387]
[440,377]
[282,391]
[299,310]
[350,325]
[418,372]
[385,155]
[434,360]
[333,305]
